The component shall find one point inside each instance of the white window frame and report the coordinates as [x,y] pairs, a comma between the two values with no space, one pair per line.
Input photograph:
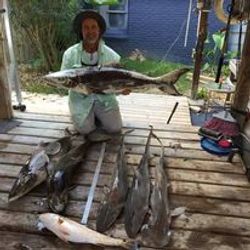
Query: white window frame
[115,31]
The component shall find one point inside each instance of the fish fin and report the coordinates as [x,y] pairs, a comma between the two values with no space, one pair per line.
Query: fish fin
[173,76]
[170,90]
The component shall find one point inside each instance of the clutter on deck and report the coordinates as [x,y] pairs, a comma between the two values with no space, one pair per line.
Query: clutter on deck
[213,194]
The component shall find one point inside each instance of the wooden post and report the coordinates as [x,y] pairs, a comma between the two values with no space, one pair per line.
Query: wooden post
[204,8]
[5,100]
[242,91]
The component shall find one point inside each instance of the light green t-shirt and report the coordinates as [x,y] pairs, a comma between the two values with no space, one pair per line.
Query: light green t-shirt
[80,104]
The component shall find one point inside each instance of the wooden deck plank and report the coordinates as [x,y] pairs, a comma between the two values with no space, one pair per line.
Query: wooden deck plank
[216,193]
[186,154]
[175,175]
[27,222]
[159,105]
[180,240]
[199,190]
[190,164]
[47,121]
[16,240]
[35,203]
[59,133]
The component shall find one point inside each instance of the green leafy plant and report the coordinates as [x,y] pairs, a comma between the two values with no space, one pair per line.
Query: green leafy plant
[212,52]
[46,26]
[202,93]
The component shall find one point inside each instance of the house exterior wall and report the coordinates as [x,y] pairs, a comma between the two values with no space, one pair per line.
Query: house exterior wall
[153,26]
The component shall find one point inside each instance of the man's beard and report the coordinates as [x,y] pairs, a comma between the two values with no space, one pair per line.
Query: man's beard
[91,40]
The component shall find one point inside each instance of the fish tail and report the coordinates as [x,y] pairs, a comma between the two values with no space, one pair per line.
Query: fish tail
[173,76]
[166,82]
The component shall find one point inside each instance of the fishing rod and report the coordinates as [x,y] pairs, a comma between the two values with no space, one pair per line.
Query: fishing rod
[222,56]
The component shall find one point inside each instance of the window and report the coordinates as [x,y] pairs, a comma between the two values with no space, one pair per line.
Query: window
[116,17]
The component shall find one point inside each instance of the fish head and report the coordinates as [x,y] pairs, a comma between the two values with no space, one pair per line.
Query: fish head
[48,220]
[32,174]
[57,192]
[65,78]
[61,75]
[57,224]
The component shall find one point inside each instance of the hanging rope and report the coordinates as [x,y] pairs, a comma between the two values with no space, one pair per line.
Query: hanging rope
[188,22]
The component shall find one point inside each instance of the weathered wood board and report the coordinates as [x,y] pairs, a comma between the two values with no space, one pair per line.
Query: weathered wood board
[216,193]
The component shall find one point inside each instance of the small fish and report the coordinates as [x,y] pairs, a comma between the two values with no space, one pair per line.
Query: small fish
[137,202]
[59,181]
[112,80]
[35,171]
[156,232]
[71,231]
[115,199]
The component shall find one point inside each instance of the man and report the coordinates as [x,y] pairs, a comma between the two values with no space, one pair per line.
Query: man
[89,110]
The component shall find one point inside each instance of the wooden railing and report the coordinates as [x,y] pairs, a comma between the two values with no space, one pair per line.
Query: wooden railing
[5,99]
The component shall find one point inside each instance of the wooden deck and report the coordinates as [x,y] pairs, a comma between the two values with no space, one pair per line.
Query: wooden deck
[215,193]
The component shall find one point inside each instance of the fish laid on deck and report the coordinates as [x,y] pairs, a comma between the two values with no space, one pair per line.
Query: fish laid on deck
[71,231]
[137,203]
[112,80]
[156,232]
[115,199]
[59,180]
[36,169]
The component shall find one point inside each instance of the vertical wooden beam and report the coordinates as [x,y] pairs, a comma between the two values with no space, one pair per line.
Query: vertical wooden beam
[204,8]
[242,91]
[5,99]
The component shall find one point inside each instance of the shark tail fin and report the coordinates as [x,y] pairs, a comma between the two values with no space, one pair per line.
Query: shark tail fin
[173,76]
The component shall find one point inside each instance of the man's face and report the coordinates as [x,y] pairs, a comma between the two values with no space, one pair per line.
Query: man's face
[90,31]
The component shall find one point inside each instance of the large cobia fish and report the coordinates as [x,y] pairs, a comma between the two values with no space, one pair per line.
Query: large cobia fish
[155,233]
[115,199]
[60,176]
[137,203]
[35,171]
[112,80]
[71,231]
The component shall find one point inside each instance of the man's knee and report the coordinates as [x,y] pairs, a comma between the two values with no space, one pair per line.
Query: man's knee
[114,127]
[84,127]
[84,130]
[111,121]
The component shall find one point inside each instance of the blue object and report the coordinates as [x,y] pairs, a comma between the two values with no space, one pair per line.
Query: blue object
[213,147]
